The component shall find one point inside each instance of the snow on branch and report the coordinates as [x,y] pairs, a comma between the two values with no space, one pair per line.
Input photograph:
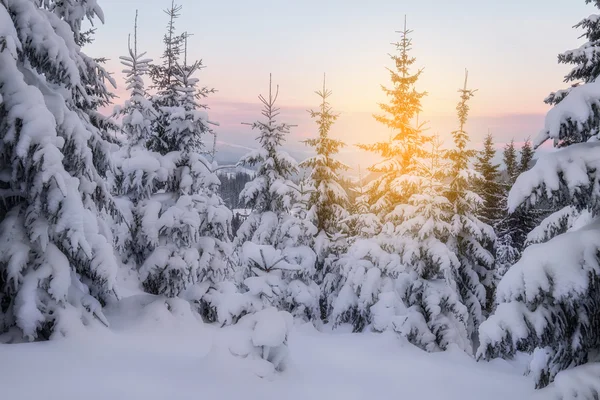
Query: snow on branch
[570,170]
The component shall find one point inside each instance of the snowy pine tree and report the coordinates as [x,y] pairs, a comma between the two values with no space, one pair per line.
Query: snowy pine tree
[188,125]
[406,278]
[164,78]
[548,302]
[430,286]
[137,112]
[139,170]
[585,70]
[57,265]
[514,227]
[185,226]
[94,76]
[278,264]
[271,190]
[329,200]
[510,238]
[488,185]
[471,238]
[397,178]
[511,163]
[360,223]
[527,153]
[526,220]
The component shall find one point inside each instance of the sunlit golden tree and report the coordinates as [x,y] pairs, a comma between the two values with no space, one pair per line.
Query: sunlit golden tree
[407,278]
[398,176]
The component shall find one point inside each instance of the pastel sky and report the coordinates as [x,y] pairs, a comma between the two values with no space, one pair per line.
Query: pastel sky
[509,47]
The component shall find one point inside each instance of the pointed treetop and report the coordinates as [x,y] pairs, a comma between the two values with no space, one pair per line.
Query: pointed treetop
[324,116]
[173,11]
[134,34]
[270,110]
[185,35]
[463,107]
[405,100]
[405,45]
[325,93]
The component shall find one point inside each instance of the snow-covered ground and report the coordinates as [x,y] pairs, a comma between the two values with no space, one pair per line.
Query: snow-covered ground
[153,353]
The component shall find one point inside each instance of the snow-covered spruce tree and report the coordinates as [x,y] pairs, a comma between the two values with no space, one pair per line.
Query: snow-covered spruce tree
[361,222]
[137,112]
[368,275]
[395,280]
[429,286]
[186,226]
[585,70]
[507,249]
[526,220]
[56,259]
[397,178]
[511,163]
[140,173]
[274,245]
[471,238]
[328,202]
[405,278]
[94,77]
[527,153]
[514,227]
[487,185]
[549,301]
[167,97]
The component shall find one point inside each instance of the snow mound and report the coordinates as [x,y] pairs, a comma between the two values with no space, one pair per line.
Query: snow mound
[154,315]
[582,382]
[263,339]
[271,328]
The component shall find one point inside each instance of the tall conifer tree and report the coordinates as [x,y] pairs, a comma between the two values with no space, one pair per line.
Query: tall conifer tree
[514,227]
[471,238]
[56,258]
[407,277]
[329,200]
[527,154]
[548,302]
[135,181]
[164,77]
[398,176]
[274,243]
[511,163]
[487,184]
[185,227]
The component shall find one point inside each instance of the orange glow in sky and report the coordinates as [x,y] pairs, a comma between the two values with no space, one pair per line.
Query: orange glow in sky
[511,62]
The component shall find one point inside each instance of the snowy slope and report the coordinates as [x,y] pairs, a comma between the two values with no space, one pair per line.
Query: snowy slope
[157,354]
